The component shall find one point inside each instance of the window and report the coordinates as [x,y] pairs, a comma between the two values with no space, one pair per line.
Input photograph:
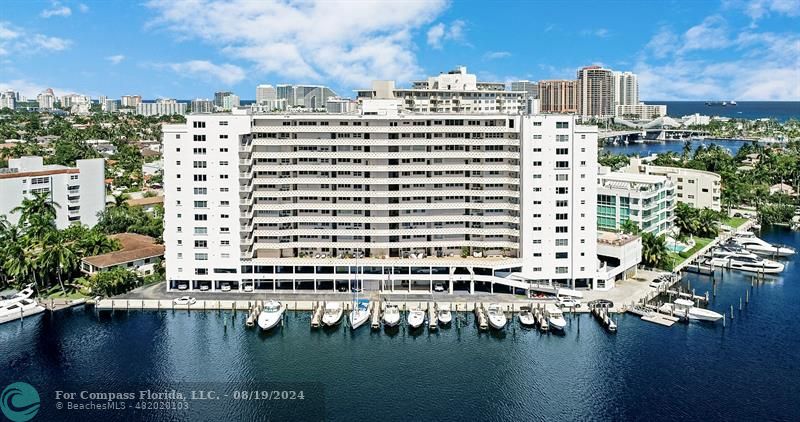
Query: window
[201,204]
[562,216]
[199,125]
[199,164]
[200,178]
[562,242]
[562,125]
[562,151]
[224,230]
[223,123]
[201,243]
[562,255]
[199,138]
[562,190]
[561,203]
[537,163]
[537,123]
[224,203]
[562,138]
[223,150]
[199,151]
[223,176]
[561,270]
[201,257]
[225,242]
[562,229]
[201,217]
[224,216]
[201,271]
[200,191]
[562,164]
[562,177]
[223,163]
[201,230]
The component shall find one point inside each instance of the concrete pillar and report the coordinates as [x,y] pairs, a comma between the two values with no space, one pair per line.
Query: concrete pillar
[315,285]
[294,285]
[471,286]
[392,283]
[349,285]
[430,286]
[491,287]
[274,285]
[450,285]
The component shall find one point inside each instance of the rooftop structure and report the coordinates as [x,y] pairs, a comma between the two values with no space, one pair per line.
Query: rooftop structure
[647,200]
[696,188]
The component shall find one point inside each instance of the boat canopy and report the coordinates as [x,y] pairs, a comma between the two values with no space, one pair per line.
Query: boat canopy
[684,302]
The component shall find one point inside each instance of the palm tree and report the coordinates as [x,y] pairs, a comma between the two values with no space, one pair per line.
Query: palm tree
[40,204]
[96,243]
[654,250]
[707,223]
[687,149]
[686,219]
[629,227]
[58,257]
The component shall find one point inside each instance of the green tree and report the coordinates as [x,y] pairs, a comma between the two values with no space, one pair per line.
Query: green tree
[654,250]
[629,227]
[39,204]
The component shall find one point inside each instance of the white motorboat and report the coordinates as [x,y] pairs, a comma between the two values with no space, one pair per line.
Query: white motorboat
[443,313]
[22,294]
[497,319]
[416,318]
[332,314]
[360,313]
[554,317]
[271,315]
[752,243]
[526,316]
[391,316]
[685,307]
[744,261]
[184,300]
[20,309]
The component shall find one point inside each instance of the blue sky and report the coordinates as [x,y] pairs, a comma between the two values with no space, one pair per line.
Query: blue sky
[730,49]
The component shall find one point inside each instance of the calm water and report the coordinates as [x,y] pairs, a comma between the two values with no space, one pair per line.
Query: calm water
[779,110]
[748,371]
[648,148]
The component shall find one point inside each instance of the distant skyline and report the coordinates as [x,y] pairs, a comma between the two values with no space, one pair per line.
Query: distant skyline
[681,50]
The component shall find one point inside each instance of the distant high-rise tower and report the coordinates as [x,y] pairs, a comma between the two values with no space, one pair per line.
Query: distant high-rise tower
[595,92]
[265,93]
[558,96]
[626,88]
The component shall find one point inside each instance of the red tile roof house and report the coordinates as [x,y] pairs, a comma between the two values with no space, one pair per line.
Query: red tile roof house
[139,253]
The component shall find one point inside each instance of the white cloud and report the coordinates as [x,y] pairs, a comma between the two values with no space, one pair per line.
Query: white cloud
[83,8]
[710,34]
[56,9]
[439,33]
[707,62]
[16,40]
[28,88]
[116,59]
[340,41]
[226,73]
[599,33]
[495,55]
[758,9]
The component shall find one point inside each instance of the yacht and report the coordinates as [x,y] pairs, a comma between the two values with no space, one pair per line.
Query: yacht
[443,313]
[391,316]
[554,317]
[752,243]
[526,316]
[23,294]
[360,313]
[270,315]
[686,307]
[332,314]
[416,318]
[497,319]
[19,309]
[740,259]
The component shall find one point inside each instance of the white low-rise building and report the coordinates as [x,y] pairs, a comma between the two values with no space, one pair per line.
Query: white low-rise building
[641,111]
[697,188]
[79,191]
[647,200]
[619,255]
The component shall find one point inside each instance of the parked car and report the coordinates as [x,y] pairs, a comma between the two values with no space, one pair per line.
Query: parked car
[226,287]
[248,288]
[183,286]
[185,300]
[438,287]
[568,302]
[204,287]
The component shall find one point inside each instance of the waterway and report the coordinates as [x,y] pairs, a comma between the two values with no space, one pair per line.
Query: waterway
[648,148]
[778,110]
[746,371]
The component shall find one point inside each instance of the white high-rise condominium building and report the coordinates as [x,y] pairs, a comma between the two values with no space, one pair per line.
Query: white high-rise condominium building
[69,100]
[201,105]
[453,92]
[162,107]
[131,100]
[626,88]
[308,200]
[530,87]
[110,106]
[46,100]
[595,92]
[307,96]
[265,94]
[80,191]
[8,99]
[645,199]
